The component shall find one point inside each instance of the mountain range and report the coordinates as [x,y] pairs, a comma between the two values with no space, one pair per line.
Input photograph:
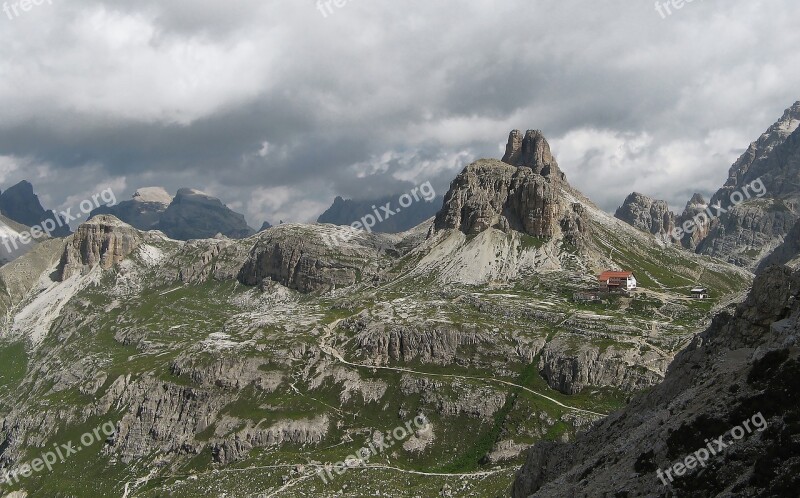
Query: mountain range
[251,365]
[743,232]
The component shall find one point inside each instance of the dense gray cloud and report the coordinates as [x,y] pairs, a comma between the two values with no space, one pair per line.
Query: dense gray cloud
[276,109]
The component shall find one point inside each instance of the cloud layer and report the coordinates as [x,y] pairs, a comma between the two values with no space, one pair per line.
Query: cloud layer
[276,109]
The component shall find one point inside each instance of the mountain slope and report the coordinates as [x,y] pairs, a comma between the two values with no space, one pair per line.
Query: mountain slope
[742,372]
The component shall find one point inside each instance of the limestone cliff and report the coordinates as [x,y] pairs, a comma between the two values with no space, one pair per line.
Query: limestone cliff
[104,240]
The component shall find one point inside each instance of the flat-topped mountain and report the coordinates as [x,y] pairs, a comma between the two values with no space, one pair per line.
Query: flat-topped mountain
[191,214]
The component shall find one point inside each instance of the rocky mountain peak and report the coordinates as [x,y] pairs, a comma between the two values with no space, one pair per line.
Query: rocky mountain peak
[193,214]
[696,201]
[22,205]
[533,151]
[766,158]
[647,214]
[525,192]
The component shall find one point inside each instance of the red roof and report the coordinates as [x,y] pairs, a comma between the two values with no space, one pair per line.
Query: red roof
[614,274]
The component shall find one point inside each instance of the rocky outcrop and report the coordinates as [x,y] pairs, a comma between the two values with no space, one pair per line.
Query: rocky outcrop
[305,261]
[492,194]
[382,344]
[143,211]
[22,205]
[102,241]
[304,431]
[196,215]
[455,398]
[745,366]
[749,232]
[570,369]
[161,417]
[647,214]
[532,151]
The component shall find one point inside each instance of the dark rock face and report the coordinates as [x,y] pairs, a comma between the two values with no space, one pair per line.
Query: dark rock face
[21,204]
[749,231]
[306,263]
[195,215]
[647,214]
[345,212]
[143,212]
[103,240]
[745,366]
[787,253]
[265,226]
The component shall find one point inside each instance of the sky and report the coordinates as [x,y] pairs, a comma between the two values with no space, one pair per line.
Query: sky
[278,106]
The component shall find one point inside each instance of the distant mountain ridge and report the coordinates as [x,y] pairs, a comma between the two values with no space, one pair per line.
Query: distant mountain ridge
[748,227]
[346,212]
[191,214]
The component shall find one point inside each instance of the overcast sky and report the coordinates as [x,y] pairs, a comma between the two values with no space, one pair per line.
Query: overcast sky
[276,109]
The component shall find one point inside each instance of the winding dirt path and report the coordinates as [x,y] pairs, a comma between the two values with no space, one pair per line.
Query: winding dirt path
[336,354]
